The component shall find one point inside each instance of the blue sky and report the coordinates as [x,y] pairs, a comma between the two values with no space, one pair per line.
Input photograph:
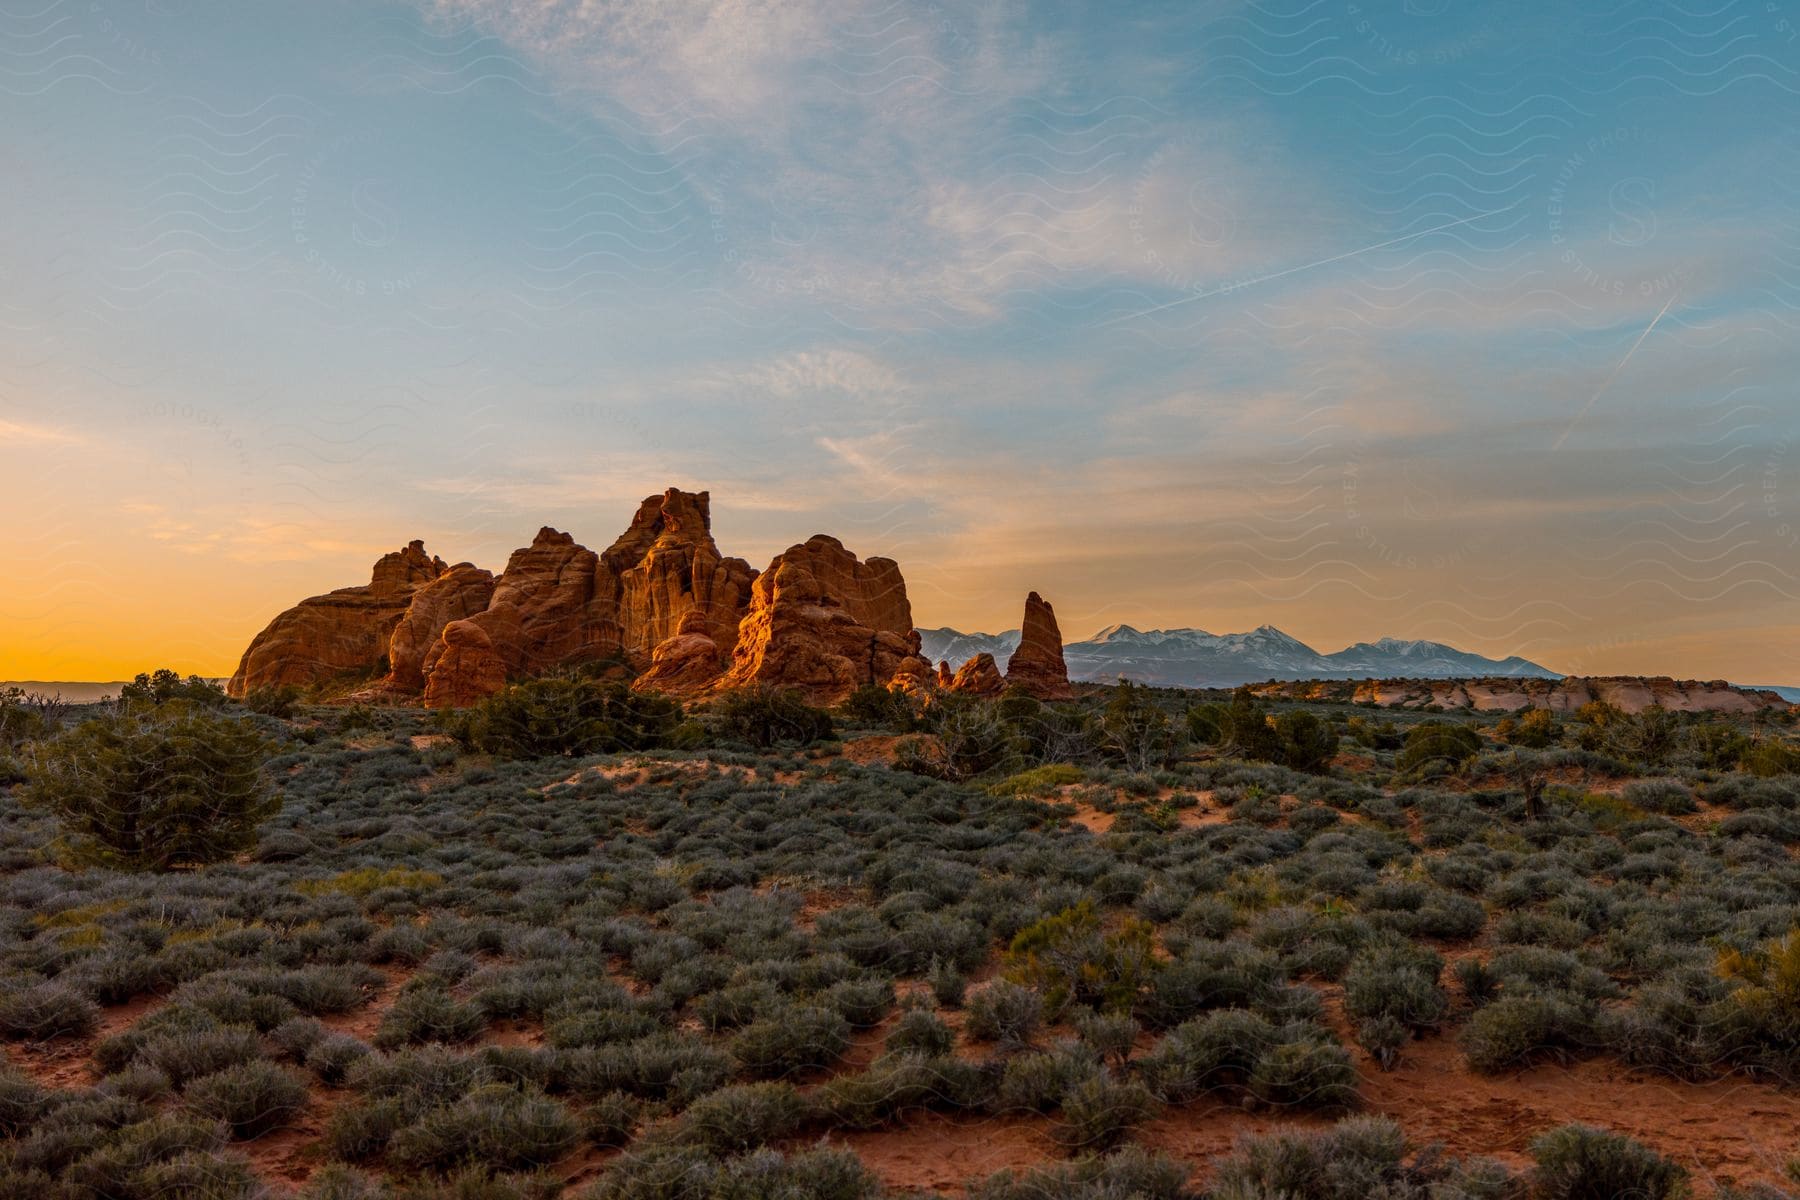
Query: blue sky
[1429,319]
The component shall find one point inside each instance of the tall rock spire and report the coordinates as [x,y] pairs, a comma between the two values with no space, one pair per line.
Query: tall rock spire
[1037,666]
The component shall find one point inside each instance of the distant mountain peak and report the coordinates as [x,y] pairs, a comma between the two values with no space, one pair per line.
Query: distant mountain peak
[1196,658]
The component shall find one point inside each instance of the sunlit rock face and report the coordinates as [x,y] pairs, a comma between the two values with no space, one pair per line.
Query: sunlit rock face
[825,622]
[1036,667]
[340,633]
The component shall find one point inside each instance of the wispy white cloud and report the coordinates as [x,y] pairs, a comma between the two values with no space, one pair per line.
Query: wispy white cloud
[20,433]
[915,165]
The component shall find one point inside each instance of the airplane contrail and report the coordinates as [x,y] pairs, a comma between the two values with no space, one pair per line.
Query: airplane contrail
[1323,262]
[1601,390]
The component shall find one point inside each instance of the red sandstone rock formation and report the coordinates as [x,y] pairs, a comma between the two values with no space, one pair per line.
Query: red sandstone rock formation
[661,597]
[538,617]
[980,676]
[914,675]
[460,592]
[558,603]
[340,632]
[686,663]
[1037,666]
[668,566]
[465,667]
[825,622]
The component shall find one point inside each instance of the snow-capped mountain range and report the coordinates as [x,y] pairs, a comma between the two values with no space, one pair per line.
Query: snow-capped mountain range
[1196,658]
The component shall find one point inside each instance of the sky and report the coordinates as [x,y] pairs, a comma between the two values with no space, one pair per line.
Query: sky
[1426,319]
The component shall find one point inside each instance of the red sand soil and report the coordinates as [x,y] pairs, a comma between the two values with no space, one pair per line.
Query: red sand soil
[68,1062]
[877,748]
[1724,1132]
[1732,1131]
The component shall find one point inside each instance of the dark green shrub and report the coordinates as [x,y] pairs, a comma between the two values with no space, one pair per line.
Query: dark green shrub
[1100,1111]
[658,1067]
[1305,1068]
[735,1119]
[1207,724]
[1477,981]
[153,787]
[22,1101]
[735,1006]
[250,1099]
[1577,1162]
[139,1082]
[947,983]
[1358,1158]
[898,1084]
[358,1132]
[1218,1049]
[1535,729]
[162,686]
[273,700]
[332,1056]
[1383,1037]
[1110,1035]
[47,1011]
[1437,748]
[880,708]
[1069,959]
[1307,743]
[1038,1081]
[183,1055]
[1004,1012]
[1211,975]
[794,1039]
[765,716]
[920,1032]
[1668,796]
[24,716]
[1135,731]
[201,1176]
[496,1126]
[1515,1030]
[604,1026]
[1247,731]
[116,1166]
[295,1037]
[612,1119]
[334,1181]
[690,1173]
[1127,1174]
[232,1005]
[557,716]
[1398,980]
[969,738]
[862,1002]
[428,1014]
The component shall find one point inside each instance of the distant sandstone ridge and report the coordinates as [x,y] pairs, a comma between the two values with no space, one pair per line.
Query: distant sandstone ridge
[1630,694]
[661,598]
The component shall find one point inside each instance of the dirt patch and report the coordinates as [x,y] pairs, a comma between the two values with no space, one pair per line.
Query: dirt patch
[943,1153]
[69,1062]
[362,1022]
[1092,819]
[1728,1130]
[631,773]
[875,749]
[288,1157]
